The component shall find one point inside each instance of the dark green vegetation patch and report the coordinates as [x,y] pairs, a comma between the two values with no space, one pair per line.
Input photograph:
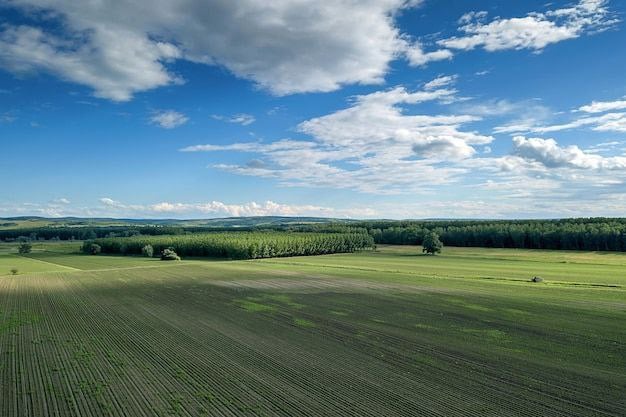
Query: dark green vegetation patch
[240,245]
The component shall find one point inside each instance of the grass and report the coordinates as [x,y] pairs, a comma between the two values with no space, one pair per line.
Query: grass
[388,333]
[63,256]
[599,268]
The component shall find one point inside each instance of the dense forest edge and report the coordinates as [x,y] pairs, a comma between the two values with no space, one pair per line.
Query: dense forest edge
[593,234]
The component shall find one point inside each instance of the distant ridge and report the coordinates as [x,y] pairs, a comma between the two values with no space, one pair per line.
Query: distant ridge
[247,221]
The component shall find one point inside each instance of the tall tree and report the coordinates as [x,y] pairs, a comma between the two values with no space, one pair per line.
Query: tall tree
[431,243]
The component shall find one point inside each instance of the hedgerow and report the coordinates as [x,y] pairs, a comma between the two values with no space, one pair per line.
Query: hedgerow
[241,245]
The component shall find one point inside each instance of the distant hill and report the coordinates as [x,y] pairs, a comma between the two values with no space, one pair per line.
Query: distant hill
[25,222]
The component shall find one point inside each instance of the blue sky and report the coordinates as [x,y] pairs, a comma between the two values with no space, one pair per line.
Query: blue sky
[368,109]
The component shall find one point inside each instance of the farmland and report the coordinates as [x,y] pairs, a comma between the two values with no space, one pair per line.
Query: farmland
[383,333]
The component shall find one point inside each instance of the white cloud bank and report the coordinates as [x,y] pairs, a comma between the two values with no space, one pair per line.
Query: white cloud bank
[120,47]
[371,146]
[220,209]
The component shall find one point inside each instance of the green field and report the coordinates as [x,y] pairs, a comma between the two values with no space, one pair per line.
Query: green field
[385,333]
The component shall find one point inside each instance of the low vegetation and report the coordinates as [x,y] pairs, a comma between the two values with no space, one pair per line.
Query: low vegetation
[147,251]
[91,248]
[25,247]
[169,254]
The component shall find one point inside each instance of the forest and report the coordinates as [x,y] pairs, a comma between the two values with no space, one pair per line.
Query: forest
[598,234]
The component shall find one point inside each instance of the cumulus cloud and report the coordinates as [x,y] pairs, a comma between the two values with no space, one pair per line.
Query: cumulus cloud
[115,61]
[372,146]
[550,154]
[168,119]
[534,31]
[121,47]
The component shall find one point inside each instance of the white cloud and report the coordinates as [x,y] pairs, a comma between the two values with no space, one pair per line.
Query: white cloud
[61,201]
[602,106]
[168,119]
[109,202]
[534,31]
[609,122]
[417,57]
[121,47]
[267,208]
[551,155]
[371,146]
[116,61]
[514,116]
[243,119]
[7,117]
[441,81]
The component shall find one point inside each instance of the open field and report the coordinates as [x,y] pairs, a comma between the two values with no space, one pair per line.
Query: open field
[386,333]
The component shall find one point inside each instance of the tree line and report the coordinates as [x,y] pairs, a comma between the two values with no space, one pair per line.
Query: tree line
[596,234]
[239,245]
[599,234]
[88,233]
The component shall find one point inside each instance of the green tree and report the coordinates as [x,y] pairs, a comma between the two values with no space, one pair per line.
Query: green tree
[147,251]
[25,247]
[14,271]
[431,243]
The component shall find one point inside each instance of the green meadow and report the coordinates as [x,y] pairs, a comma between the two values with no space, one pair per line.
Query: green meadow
[389,332]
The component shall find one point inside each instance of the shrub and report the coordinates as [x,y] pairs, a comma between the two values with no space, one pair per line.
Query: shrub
[14,271]
[169,254]
[147,251]
[91,248]
[25,247]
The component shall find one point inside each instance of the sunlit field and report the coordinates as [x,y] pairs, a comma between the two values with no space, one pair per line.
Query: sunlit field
[390,332]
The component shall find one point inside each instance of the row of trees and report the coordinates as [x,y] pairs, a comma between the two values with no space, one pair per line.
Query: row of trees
[240,245]
[88,233]
[593,236]
[598,234]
